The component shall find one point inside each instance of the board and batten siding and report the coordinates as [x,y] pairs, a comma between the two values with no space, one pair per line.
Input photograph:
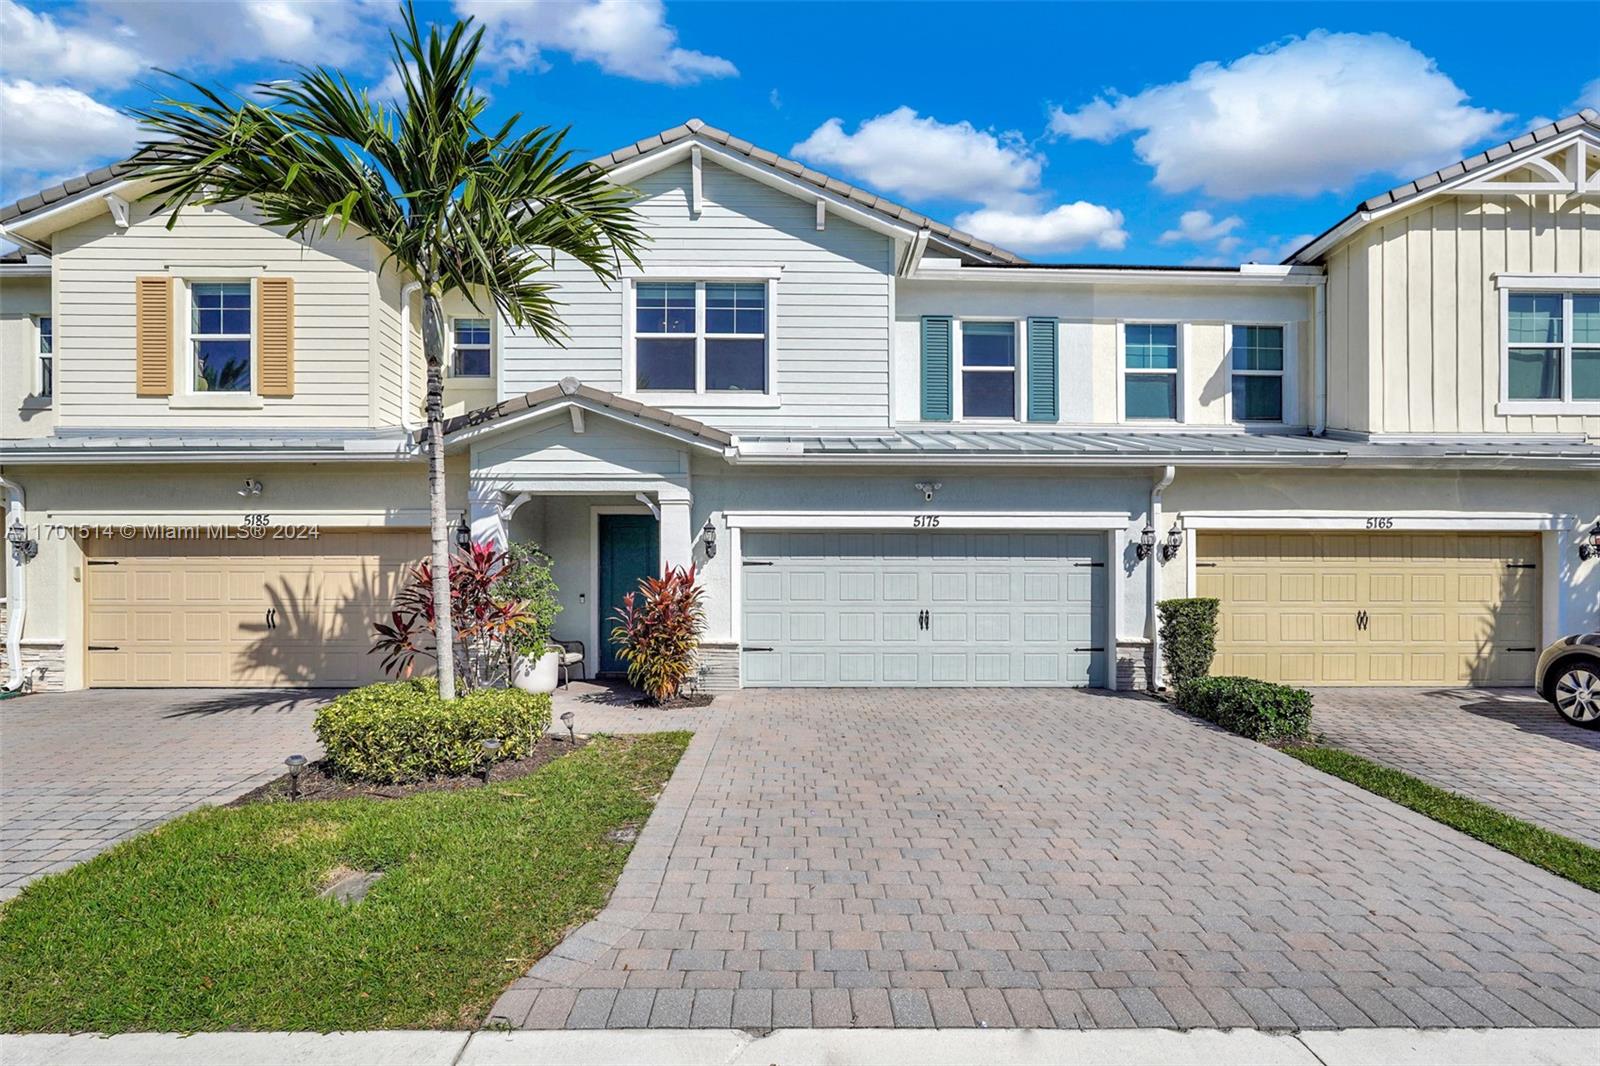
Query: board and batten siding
[1414,316]
[832,302]
[335,304]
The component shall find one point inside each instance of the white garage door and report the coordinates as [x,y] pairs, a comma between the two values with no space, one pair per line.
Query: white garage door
[922,609]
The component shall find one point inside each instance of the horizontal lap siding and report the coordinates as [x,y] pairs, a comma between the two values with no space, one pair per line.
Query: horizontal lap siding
[1415,316]
[334,319]
[832,302]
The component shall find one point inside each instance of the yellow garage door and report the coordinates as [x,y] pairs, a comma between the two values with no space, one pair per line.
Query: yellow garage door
[1374,608]
[220,612]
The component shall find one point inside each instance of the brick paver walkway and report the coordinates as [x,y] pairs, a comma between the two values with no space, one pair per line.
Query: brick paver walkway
[1506,748]
[80,771]
[1028,858]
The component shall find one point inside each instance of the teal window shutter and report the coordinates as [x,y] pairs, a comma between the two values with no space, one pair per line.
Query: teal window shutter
[1043,386]
[936,354]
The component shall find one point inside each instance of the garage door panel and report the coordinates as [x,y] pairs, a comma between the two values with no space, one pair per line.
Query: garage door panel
[1400,608]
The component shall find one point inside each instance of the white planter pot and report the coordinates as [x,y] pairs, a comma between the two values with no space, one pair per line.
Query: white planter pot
[541,675]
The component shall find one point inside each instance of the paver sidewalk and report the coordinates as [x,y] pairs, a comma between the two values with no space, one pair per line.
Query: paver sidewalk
[1046,859]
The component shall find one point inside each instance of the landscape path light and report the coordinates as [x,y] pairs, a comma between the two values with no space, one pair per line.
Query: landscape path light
[491,747]
[295,763]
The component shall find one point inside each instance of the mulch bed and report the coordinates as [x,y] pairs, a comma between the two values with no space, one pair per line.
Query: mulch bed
[318,782]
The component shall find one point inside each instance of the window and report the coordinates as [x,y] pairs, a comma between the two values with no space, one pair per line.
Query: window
[219,335]
[470,357]
[1150,371]
[47,345]
[1257,371]
[700,336]
[988,370]
[1553,346]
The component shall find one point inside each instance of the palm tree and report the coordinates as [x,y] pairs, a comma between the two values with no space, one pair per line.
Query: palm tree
[457,207]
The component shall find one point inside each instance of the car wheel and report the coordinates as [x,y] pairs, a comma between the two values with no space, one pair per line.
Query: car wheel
[1576,694]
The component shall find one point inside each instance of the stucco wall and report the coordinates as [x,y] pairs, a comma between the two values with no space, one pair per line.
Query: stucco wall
[22,413]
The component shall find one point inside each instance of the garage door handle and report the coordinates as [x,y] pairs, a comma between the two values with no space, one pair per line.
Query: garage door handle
[104,647]
[1088,649]
[1522,566]
[1522,649]
[1088,564]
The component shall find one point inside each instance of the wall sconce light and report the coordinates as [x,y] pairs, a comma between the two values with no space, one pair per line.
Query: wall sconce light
[1173,542]
[463,533]
[708,533]
[1147,543]
[25,546]
[928,488]
[1590,548]
[252,487]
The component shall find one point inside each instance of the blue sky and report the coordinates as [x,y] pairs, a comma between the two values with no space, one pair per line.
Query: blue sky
[1179,133]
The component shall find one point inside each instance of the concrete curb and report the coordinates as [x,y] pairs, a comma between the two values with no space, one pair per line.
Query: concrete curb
[816,1047]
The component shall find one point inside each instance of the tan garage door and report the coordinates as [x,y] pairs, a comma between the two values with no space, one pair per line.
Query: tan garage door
[204,611]
[1374,608]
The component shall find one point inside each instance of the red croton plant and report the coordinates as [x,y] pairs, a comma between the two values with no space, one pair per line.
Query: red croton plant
[657,632]
[485,625]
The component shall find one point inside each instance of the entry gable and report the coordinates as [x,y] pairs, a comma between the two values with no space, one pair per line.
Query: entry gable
[605,451]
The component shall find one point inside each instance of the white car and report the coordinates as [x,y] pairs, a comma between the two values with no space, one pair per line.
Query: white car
[1568,675]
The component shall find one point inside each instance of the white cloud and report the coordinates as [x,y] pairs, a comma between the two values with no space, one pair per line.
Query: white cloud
[47,129]
[630,38]
[1059,229]
[39,46]
[1590,96]
[905,154]
[183,36]
[1199,227]
[1300,117]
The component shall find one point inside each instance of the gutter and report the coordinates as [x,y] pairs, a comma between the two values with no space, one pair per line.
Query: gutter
[1154,625]
[407,290]
[16,587]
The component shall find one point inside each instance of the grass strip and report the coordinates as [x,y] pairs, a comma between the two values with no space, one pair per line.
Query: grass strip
[1562,856]
[213,921]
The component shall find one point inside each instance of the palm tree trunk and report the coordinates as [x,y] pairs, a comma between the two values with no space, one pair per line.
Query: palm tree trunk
[439,519]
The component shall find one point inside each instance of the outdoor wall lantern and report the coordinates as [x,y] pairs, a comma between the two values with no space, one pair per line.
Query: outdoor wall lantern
[708,532]
[928,488]
[1590,548]
[252,487]
[295,763]
[491,747]
[1174,542]
[463,533]
[1147,542]
[17,536]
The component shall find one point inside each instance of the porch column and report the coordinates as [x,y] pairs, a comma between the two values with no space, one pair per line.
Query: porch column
[483,513]
[677,539]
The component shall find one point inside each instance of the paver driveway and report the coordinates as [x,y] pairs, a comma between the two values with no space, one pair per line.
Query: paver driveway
[80,771]
[1507,748]
[1035,858]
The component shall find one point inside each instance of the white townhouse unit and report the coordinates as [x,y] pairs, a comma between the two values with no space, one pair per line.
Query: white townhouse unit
[898,454]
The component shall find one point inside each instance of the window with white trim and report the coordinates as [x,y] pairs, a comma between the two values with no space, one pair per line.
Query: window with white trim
[1553,346]
[220,338]
[47,359]
[1150,371]
[701,336]
[989,370]
[1256,369]
[471,354]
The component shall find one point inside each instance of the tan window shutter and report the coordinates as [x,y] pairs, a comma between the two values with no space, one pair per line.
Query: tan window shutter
[152,343]
[275,336]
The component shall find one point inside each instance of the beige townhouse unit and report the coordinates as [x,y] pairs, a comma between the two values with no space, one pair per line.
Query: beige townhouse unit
[898,454]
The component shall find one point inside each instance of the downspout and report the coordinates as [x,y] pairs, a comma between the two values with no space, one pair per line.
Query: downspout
[1167,474]
[1319,356]
[408,290]
[16,588]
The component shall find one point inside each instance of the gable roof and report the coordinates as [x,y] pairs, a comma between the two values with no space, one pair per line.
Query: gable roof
[1588,118]
[697,129]
[570,392]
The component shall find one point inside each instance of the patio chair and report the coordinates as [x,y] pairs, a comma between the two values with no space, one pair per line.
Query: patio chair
[571,656]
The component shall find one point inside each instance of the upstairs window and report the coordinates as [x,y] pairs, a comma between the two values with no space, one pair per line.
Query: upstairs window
[471,355]
[701,336]
[220,336]
[1257,373]
[1150,371]
[1553,346]
[989,370]
[47,361]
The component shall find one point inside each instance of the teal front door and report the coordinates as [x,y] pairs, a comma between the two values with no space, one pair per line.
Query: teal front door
[630,548]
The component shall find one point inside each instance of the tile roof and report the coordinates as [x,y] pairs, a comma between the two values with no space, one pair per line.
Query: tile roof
[573,389]
[71,187]
[696,128]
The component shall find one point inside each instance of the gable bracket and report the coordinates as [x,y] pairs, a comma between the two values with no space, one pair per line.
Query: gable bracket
[696,195]
[1567,178]
[119,209]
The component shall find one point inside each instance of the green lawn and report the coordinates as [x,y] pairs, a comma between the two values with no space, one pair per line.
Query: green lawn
[1560,855]
[213,921]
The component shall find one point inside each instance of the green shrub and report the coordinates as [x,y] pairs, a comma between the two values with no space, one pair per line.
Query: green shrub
[1259,710]
[1188,637]
[401,731]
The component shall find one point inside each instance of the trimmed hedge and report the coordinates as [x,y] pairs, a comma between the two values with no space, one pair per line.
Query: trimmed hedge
[397,732]
[1259,710]
[1188,637]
